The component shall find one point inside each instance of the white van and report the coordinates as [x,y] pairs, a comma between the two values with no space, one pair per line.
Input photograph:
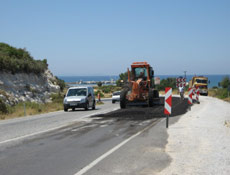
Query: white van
[79,97]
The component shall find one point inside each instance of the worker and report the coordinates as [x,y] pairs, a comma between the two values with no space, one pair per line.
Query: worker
[181,91]
[99,96]
[141,75]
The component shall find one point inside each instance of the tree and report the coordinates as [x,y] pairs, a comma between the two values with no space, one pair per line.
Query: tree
[123,78]
[225,82]
[169,82]
[99,84]
[61,83]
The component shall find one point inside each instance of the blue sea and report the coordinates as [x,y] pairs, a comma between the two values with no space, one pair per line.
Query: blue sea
[214,79]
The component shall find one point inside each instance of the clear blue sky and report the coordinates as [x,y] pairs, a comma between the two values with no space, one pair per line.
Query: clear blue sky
[82,37]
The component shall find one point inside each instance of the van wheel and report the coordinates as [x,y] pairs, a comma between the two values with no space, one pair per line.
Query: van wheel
[94,105]
[87,106]
[113,101]
[65,109]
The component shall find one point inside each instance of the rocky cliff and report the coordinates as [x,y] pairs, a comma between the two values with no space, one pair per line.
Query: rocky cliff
[32,87]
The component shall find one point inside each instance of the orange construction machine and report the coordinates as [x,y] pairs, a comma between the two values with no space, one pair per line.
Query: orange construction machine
[139,89]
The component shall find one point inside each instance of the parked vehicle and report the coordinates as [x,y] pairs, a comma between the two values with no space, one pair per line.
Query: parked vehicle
[116,96]
[79,97]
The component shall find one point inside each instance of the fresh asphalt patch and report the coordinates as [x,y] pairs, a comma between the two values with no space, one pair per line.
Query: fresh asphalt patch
[179,107]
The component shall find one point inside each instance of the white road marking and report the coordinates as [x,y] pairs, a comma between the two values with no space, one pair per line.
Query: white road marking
[102,126]
[99,159]
[52,129]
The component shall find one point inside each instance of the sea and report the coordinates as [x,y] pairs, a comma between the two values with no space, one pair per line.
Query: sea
[213,79]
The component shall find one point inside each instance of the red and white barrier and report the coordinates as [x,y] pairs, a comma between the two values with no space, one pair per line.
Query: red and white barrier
[168,101]
[190,92]
[180,82]
[197,94]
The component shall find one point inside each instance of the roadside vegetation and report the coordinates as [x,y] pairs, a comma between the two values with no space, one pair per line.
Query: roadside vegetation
[221,92]
[19,61]
[31,108]
[106,91]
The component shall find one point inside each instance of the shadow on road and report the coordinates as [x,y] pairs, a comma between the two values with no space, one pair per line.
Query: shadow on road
[82,109]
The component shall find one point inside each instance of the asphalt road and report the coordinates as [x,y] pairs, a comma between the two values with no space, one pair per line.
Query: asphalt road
[120,142]
[15,130]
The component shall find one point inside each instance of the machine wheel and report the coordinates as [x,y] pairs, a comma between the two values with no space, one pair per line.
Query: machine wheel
[150,101]
[123,100]
[155,94]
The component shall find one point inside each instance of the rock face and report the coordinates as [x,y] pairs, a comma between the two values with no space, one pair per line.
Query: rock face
[20,87]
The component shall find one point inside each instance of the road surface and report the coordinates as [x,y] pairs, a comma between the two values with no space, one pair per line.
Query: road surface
[128,141]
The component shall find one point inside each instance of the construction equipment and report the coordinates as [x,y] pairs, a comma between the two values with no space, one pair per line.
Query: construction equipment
[200,82]
[139,90]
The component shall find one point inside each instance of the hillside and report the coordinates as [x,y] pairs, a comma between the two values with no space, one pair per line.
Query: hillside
[19,61]
[23,78]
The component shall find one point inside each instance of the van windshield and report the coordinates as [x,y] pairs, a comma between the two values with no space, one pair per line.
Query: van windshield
[77,92]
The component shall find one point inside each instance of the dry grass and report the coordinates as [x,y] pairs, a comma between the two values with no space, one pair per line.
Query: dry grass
[212,92]
[31,109]
[100,103]
[227,123]
[109,95]
[216,93]
[227,99]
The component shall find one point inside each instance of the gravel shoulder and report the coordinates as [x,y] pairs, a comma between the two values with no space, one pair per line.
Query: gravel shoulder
[199,142]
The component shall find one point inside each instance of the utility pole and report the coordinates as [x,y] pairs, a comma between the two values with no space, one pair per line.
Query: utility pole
[185,74]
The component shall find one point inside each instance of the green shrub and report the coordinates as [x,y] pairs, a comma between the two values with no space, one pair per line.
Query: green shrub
[225,82]
[109,88]
[169,82]
[123,78]
[19,60]
[3,107]
[61,83]
[57,98]
[99,84]
[222,93]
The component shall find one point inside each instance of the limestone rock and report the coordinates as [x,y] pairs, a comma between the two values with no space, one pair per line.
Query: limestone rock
[15,88]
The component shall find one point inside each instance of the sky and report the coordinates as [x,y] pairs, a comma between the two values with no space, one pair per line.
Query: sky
[103,37]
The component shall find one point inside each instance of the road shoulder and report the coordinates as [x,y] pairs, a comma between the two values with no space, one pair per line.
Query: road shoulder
[199,142]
